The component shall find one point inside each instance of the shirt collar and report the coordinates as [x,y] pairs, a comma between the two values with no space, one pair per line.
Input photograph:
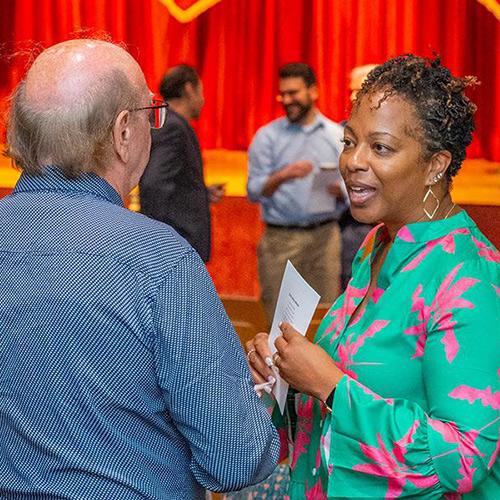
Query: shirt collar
[319,121]
[172,112]
[422,232]
[407,245]
[417,233]
[52,179]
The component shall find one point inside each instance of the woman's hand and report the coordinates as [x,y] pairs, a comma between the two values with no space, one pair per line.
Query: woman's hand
[259,360]
[304,365]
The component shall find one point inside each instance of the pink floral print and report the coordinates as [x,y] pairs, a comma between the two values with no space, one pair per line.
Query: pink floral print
[417,411]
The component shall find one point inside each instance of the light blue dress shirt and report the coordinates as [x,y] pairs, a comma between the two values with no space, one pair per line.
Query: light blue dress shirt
[121,376]
[280,143]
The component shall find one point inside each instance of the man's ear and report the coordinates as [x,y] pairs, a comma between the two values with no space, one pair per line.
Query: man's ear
[188,90]
[313,92]
[437,167]
[121,135]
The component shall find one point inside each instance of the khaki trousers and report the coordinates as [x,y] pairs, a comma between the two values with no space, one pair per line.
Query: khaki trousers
[315,253]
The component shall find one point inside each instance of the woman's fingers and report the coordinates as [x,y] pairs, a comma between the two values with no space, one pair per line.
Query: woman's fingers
[258,356]
[261,342]
[257,376]
[304,365]
[280,343]
[288,331]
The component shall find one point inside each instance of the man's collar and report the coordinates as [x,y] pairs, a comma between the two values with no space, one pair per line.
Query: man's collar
[318,121]
[53,180]
[172,111]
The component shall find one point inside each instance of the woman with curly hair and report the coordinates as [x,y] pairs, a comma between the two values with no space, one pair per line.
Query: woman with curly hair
[399,391]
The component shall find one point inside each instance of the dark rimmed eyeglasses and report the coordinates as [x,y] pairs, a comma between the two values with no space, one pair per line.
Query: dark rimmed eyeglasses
[157,114]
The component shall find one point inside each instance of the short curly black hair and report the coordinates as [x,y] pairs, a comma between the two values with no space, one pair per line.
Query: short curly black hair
[446,114]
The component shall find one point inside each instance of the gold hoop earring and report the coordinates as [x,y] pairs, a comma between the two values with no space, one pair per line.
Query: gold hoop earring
[424,201]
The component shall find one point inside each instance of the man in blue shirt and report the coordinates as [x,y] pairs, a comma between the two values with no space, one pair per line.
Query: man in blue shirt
[120,374]
[293,173]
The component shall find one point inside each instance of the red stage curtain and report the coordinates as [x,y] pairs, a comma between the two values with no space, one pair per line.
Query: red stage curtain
[237,45]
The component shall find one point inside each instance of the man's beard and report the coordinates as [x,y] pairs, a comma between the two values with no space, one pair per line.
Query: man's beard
[298,111]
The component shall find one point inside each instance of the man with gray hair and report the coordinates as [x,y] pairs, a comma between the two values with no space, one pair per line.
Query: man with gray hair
[121,376]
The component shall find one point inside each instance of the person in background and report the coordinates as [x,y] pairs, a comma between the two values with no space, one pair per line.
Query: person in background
[284,158]
[357,77]
[352,232]
[121,375]
[172,188]
[400,387]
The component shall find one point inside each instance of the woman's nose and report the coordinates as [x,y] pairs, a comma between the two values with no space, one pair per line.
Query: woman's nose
[357,159]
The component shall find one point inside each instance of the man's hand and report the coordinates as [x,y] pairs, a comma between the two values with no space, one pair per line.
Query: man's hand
[335,190]
[216,192]
[304,365]
[291,171]
[298,169]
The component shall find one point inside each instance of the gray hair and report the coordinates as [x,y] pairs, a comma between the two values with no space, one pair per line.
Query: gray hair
[76,138]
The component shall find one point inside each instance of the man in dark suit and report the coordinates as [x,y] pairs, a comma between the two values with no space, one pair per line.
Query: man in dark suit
[172,188]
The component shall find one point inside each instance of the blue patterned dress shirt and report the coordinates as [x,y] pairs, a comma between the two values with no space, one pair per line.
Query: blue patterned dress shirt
[121,376]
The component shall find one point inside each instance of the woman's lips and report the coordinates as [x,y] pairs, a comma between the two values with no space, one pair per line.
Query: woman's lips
[360,194]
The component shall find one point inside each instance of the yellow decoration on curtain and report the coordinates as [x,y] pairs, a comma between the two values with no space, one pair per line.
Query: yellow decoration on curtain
[493,6]
[194,10]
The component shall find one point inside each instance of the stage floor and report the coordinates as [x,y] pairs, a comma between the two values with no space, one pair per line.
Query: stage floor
[237,225]
[478,182]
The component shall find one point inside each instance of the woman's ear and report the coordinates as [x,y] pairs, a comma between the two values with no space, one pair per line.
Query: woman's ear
[438,165]
[121,135]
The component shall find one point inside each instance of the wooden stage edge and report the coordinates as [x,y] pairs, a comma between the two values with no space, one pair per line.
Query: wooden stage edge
[237,226]
[478,182]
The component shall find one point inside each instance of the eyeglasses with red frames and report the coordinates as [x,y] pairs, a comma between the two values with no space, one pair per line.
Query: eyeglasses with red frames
[157,114]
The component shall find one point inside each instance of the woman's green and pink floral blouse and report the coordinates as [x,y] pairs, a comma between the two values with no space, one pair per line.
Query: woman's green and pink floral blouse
[417,411]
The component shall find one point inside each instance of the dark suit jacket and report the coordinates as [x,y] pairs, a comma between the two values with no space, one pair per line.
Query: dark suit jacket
[172,188]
